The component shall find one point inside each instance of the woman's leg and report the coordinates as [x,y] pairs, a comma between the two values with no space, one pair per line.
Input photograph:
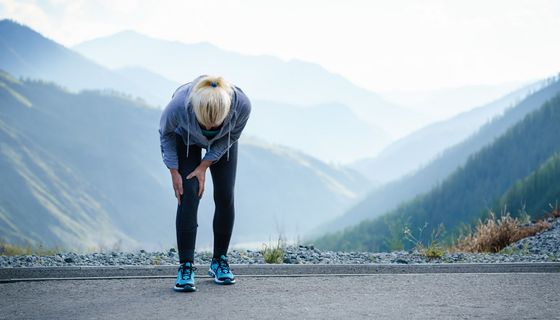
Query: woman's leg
[223,176]
[186,222]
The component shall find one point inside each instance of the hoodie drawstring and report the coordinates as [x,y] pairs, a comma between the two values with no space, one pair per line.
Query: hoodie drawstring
[188,137]
[228,139]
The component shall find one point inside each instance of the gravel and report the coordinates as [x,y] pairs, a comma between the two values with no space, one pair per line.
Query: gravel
[546,242]
[543,247]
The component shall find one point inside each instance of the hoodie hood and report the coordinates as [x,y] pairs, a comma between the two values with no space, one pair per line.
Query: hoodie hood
[190,122]
[178,119]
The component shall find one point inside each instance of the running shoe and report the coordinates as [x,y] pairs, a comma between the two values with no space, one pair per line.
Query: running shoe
[219,269]
[185,277]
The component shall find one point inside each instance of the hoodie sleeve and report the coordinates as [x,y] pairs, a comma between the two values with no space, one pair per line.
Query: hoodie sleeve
[168,122]
[221,146]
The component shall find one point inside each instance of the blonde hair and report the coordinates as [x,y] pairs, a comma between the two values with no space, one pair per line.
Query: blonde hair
[211,100]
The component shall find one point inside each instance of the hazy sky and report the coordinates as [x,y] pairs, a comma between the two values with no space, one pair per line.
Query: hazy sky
[380,45]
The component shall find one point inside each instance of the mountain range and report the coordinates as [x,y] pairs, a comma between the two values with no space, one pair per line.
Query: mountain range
[84,169]
[502,170]
[80,149]
[263,77]
[28,54]
[387,197]
[411,152]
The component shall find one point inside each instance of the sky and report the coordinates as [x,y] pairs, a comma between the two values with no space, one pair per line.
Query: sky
[378,45]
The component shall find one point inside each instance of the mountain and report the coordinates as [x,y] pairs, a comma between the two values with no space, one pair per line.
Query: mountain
[262,77]
[328,131]
[158,89]
[412,152]
[87,166]
[282,190]
[42,200]
[388,196]
[444,103]
[537,193]
[26,53]
[469,191]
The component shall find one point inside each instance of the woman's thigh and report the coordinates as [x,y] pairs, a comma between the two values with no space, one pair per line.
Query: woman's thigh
[224,173]
[188,164]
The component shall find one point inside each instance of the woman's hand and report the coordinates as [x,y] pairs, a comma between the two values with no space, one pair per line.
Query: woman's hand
[200,174]
[177,183]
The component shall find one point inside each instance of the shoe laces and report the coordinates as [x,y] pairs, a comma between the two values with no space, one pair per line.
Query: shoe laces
[186,270]
[223,265]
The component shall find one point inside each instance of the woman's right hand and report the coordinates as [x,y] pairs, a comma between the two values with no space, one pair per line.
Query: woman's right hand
[177,180]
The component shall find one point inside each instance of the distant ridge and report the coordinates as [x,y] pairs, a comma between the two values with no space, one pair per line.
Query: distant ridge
[84,170]
[389,196]
[517,151]
[26,53]
[263,77]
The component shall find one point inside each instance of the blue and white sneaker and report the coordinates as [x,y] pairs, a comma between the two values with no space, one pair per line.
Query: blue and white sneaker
[185,278]
[219,269]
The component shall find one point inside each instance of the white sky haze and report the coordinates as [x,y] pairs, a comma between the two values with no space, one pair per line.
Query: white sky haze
[379,45]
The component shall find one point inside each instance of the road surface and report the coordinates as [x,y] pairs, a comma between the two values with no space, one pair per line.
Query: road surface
[299,294]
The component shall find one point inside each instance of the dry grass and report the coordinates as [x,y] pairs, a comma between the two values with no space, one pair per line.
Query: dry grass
[555,213]
[497,233]
[7,249]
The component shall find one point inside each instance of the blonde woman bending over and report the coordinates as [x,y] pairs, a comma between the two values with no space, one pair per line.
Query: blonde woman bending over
[208,113]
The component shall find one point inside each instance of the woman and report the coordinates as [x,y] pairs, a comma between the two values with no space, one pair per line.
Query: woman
[207,113]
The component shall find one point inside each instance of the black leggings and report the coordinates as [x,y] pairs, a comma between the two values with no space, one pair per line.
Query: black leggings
[223,176]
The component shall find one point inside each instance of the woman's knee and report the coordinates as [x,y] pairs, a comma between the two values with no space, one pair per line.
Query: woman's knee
[190,188]
[223,196]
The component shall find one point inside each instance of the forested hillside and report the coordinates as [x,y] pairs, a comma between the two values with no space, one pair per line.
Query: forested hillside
[466,194]
[387,197]
[536,194]
[411,152]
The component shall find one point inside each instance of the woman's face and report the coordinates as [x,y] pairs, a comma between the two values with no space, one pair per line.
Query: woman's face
[209,128]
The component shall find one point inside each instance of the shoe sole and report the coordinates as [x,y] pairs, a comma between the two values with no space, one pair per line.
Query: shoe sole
[218,281]
[186,288]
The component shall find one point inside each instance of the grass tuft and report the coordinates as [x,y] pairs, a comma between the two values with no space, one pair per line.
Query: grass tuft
[274,254]
[434,249]
[495,234]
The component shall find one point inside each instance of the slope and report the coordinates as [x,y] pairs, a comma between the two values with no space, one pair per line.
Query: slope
[535,194]
[42,199]
[330,132]
[26,53]
[390,195]
[110,144]
[464,196]
[412,152]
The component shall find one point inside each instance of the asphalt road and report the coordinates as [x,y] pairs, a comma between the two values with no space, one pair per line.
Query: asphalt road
[287,292]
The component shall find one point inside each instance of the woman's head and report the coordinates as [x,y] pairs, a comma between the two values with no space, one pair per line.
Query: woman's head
[211,100]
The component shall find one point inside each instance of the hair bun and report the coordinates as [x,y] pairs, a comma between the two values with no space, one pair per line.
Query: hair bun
[214,82]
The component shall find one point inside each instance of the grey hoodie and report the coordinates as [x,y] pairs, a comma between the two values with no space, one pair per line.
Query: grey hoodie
[179,117]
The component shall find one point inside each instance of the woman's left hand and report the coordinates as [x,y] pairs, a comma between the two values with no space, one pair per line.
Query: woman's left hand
[200,174]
